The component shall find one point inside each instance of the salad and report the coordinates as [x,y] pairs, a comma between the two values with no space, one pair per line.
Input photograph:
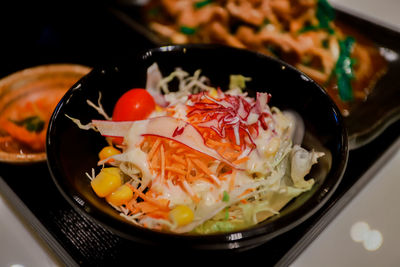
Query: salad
[198,159]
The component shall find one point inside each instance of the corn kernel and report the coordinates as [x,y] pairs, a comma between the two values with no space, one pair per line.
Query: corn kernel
[213,93]
[181,215]
[120,196]
[108,151]
[158,108]
[107,181]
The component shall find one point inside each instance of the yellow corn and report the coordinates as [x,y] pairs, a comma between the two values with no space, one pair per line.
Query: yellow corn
[181,215]
[213,93]
[158,108]
[107,181]
[120,196]
[108,151]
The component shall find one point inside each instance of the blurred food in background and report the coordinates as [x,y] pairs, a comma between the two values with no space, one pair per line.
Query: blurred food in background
[303,33]
[27,101]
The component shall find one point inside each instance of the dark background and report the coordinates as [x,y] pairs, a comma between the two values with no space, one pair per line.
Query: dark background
[41,32]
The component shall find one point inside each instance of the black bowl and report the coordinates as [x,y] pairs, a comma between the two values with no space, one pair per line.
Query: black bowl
[72,152]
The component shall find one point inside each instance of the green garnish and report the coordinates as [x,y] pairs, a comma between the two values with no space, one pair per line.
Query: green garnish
[344,69]
[263,24]
[225,197]
[226,217]
[325,14]
[32,124]
[238,81]
[201,4]
[188,30]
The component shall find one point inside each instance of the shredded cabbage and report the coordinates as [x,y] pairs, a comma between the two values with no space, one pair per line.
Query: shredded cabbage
[266,172]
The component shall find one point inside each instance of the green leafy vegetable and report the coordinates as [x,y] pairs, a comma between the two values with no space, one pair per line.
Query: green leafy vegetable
[32,124]
[325,14]
[238,81]
[225,197]
[188,30]
[212,227]
[203,3]
[226,214]
[344,69]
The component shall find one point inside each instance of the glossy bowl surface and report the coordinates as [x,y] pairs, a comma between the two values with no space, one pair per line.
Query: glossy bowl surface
[72,152]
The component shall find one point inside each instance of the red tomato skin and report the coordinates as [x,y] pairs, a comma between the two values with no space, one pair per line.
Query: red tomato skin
[135,104]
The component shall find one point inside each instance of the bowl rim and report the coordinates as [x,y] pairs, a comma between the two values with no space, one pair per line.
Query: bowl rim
[239,238]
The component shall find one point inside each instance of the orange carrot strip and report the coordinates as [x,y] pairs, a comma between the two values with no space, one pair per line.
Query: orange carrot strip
[232,181]
[180,150]
[147,207]
[202,166]
[247,191]
[146,198]
[158,214]
[213,143]
[178,159]
[131,205]
[154,149]
[205,169]
[176,170]
[238,161]
[141,142]
[191,155]
[162,162]
[231,154]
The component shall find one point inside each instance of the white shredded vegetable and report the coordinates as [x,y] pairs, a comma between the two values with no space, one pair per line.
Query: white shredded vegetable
[227,157]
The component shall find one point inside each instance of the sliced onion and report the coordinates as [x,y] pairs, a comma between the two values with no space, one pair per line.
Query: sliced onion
[166,127]
[262,101]
[113,128]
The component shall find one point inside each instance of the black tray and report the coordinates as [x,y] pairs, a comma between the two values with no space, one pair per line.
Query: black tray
[79,241]
[367,119]
[91,40]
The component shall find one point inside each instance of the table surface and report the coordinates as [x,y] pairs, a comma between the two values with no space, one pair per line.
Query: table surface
[21,246]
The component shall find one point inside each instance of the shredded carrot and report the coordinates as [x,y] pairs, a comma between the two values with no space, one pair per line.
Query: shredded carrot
[247,191]
[143,196]
[232,181]
[206,170]
[241,160]
[178,159]
[176,170]
[162,162]
[153,149]
[158,214]
[212,142]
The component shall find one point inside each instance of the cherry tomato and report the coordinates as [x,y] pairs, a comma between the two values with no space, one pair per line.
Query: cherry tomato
[135,104]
